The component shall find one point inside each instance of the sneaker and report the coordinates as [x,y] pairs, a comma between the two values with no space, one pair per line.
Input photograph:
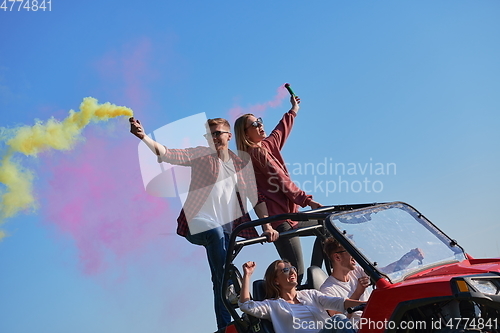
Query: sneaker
[231,294]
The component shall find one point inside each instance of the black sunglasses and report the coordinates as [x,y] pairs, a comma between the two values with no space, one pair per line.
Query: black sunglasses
[287,270]
[214,134]
[257,123]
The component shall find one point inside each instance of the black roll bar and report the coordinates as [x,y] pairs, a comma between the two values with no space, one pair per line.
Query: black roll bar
[235,247]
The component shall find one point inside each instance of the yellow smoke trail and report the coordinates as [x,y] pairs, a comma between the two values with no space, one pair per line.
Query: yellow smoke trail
[31,140]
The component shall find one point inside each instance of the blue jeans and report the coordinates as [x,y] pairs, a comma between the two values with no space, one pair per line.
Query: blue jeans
[215,242]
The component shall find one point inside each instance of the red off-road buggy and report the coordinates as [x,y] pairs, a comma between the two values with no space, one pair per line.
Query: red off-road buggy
[445,291]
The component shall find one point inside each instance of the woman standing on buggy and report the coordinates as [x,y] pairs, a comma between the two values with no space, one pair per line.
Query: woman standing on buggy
[273,181]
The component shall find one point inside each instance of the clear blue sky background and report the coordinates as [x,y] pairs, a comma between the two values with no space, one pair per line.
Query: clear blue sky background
[412,83]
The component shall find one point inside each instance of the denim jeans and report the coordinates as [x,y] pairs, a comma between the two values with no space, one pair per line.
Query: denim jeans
[215,241]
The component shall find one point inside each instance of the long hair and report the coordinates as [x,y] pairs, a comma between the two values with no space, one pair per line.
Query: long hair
[272,289]
[243,144]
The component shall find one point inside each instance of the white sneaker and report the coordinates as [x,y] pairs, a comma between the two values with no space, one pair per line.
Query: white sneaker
[231,294]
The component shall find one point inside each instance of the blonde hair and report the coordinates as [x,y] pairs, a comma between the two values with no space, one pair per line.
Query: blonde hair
[218,121]
[242,142]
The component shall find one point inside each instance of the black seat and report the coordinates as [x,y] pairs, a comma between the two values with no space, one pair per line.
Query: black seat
[259,290]
[315,277]
[260,325]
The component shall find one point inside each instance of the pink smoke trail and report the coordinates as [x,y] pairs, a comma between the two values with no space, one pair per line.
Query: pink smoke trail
[259,109]
[96,198]
[129,69]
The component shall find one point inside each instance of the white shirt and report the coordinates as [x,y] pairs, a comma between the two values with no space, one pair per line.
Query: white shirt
[281,314]
[221,206]
[303,318]
[334,287]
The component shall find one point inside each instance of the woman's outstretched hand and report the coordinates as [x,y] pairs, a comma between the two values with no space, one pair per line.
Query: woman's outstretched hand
[313,204]
[295,100]
[271,234]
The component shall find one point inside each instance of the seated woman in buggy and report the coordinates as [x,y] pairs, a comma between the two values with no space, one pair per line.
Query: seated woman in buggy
[292,310]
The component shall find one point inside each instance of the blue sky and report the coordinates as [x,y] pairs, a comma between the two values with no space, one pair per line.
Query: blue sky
[412,84]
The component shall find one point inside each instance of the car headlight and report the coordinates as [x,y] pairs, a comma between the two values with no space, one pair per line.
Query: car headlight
[485,286]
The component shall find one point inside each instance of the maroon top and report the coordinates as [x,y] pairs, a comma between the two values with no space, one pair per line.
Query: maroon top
[204,171]
[273,180]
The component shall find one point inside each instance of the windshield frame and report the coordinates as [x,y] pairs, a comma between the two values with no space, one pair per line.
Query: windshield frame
[371,267]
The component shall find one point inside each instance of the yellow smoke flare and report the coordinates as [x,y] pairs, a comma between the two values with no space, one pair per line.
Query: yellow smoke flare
[31,140]
[19,188]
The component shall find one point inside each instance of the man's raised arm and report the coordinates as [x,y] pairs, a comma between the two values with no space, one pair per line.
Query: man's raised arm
[137,130]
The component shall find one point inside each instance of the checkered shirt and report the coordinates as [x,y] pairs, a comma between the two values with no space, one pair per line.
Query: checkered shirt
[204,164]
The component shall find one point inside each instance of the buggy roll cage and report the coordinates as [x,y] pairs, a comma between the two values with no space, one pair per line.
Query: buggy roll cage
[232,273]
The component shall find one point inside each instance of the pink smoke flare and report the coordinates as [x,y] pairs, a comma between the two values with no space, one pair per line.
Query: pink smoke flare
[235,112]
[129,69]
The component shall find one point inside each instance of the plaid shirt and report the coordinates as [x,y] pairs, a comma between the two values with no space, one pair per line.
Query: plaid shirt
[204,164]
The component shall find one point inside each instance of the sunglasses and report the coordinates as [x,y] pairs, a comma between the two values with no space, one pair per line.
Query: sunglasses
[257,123]
[214,134]
[340,251]
[287,270]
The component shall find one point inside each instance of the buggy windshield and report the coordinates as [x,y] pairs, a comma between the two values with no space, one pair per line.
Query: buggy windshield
[394,239]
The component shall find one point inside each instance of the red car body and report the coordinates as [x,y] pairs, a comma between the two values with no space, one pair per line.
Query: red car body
[445,290]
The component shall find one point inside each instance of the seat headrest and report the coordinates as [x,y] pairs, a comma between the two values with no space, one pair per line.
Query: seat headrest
[259,290]
[315,277]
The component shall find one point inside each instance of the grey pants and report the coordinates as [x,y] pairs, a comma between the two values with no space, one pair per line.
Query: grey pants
[289,248]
